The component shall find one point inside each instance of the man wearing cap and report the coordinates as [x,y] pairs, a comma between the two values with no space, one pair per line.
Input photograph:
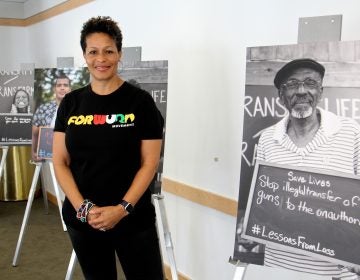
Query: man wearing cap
[305,137]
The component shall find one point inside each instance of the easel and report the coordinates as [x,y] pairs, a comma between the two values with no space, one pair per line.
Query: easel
[162,223]
[5,150]
[30,201]
[240,272]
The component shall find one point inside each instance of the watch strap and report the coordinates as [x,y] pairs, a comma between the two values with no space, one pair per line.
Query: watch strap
[127,206]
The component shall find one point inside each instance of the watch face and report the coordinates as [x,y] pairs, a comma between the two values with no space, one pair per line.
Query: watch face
[128,207]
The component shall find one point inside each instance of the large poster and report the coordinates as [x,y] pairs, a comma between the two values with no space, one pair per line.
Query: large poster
[151,76]
[16,106]
[262,106]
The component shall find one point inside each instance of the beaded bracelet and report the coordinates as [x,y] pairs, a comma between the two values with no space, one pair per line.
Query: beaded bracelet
[83,210]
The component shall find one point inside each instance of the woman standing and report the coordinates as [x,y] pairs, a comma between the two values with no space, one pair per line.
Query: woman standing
[106,149]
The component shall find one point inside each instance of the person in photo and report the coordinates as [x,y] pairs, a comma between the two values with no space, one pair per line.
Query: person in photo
[21,102]
[46,113]
[106,149]
[305,137]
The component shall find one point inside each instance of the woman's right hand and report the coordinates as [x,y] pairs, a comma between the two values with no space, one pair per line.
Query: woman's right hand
[91,215]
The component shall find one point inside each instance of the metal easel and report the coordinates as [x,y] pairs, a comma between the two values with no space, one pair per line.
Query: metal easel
[30,201]
[5,150]
[162,223]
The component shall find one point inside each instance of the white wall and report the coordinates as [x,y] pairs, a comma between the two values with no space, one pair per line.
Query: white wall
[205,43]
[14,47]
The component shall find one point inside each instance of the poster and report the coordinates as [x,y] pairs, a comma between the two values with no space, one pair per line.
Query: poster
[45,142]
[51,85]
[16,106]
[45,79]
[262,106]
[151,76]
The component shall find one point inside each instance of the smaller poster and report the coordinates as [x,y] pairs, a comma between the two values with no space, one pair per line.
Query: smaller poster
[51,85]
[16,106]
[44,148]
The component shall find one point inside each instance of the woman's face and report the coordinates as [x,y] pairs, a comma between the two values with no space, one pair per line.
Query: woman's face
[21,100]
[102,56]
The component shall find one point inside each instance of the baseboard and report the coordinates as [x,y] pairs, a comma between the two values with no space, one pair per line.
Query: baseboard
[202,197]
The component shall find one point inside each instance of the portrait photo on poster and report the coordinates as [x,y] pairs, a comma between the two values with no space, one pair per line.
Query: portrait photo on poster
[315,85]
[51,85]
[16,106]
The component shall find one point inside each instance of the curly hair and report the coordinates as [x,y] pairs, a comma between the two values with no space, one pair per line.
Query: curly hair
[101,24]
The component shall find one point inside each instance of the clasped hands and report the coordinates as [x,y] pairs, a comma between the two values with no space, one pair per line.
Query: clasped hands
[105,218]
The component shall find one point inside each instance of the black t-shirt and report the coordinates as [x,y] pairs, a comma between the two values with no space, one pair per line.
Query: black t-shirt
[103,137]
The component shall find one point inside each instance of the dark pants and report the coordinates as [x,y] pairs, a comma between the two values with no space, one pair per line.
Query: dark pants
[139,254]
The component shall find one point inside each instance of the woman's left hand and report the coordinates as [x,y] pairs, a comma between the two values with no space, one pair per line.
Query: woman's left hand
[105,218]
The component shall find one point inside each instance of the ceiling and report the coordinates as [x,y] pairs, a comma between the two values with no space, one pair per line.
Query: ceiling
[21,9]
[14,1]
[28,12]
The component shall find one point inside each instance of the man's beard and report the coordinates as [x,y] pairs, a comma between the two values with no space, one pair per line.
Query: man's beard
[301,114]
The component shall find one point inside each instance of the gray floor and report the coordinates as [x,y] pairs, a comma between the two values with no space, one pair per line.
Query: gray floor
[46,249]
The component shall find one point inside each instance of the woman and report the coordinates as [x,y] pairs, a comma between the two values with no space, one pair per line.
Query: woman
[21,102]
[106,149]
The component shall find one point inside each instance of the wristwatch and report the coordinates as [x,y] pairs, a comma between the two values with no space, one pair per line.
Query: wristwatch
[127,206]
